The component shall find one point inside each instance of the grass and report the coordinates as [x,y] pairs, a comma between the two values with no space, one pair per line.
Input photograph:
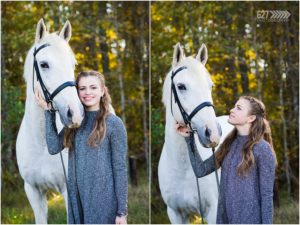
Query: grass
[158,210]
[15,208]
[138,203]
[286,213]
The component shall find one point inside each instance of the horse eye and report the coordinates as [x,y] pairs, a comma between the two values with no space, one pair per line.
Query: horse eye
[44,65]
[181,87]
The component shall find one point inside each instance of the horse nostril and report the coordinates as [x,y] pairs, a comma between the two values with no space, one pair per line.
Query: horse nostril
[207,132]
[70,113]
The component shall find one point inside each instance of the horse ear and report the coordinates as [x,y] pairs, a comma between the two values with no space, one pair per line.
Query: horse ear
[178,55]
[40,31]
[66,32]
[202,54]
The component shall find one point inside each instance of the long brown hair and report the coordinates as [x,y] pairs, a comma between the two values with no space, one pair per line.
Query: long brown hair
[99,129]
[260,129]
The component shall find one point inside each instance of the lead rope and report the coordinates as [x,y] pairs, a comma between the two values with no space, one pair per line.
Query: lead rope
[192,142]
[218,182]
[187,120]
[216,170]
[199,197]
[78,199]
[68,191]
[79,205]
[68,188]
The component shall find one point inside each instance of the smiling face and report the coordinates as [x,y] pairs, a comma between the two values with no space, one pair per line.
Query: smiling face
[90,91]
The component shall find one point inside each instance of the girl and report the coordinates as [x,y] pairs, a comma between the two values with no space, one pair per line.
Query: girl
[97,170]
[248,164]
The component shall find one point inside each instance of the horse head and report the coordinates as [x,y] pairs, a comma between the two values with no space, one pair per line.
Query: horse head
[54,73]
[188,95]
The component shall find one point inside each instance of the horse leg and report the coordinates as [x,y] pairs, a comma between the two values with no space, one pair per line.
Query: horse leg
[38,202]
[176,217]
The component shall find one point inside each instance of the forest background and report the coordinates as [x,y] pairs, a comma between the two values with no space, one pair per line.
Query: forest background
[249,53]
[110,37]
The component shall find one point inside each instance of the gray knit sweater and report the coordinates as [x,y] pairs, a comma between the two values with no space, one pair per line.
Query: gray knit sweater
[242,200]
[101,172]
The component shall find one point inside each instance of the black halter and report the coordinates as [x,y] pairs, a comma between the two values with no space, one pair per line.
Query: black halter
[186,117]
[48,97]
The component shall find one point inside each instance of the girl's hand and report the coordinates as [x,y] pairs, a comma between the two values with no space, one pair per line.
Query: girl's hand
[183,130]
[121,220]
[40,100]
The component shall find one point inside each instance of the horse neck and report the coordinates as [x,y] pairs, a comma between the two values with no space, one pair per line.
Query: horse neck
[34,114]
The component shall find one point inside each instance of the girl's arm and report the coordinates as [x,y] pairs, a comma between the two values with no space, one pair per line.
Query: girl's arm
[54,140]
[201,168]
[118,142]
[266,170]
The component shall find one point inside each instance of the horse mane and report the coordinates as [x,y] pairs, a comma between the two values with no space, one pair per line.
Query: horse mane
[167,89]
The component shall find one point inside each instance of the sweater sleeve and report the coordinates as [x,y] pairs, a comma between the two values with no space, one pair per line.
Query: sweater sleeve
[54,140]
[119,162]
[201,168]
[266,170]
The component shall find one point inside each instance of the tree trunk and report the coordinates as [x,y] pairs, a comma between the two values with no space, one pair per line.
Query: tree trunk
[191,22]
[257,75]
[141,73]
[119,64]
[243,70]
[102,39]
[283,118]
[229,63]
[285,149]
[264,76]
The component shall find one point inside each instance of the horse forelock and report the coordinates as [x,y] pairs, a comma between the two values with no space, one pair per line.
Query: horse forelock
[59,43]
[200,71]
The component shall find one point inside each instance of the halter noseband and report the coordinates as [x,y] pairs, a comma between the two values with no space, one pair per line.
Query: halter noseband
[186,117]
[48,97]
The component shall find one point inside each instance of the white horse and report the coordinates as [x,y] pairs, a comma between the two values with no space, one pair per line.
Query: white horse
[38,168]
[177,180]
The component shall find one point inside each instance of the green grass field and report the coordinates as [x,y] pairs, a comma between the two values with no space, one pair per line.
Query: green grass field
[15,208]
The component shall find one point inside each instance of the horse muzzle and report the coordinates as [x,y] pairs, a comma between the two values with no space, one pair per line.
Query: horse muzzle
[209,136]
[71,116]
